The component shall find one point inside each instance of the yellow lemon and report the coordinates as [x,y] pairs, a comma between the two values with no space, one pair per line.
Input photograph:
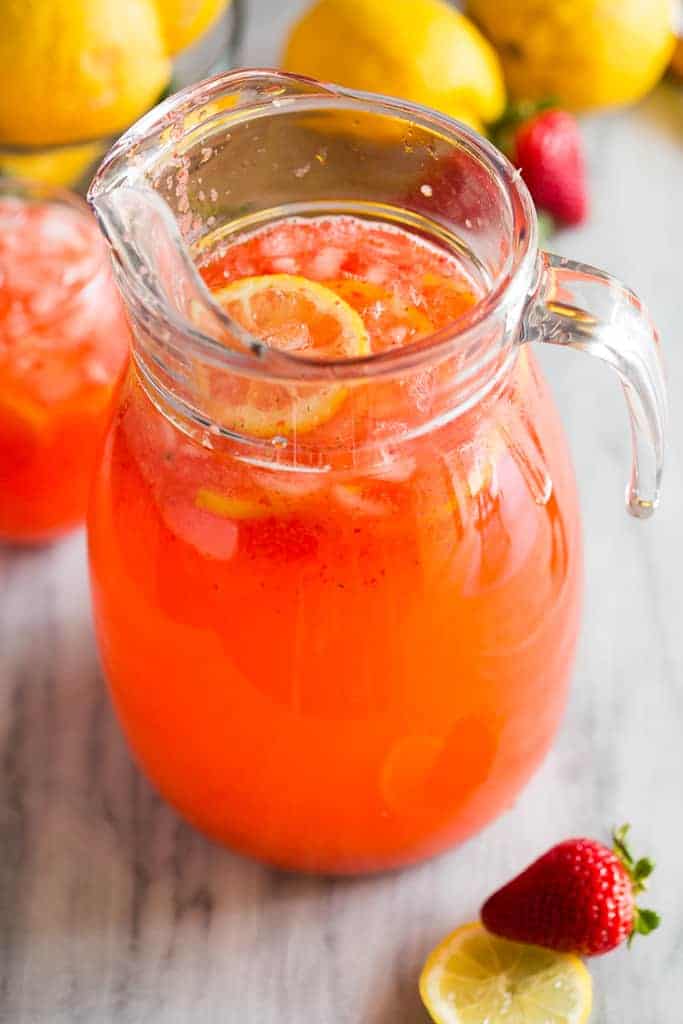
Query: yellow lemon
[63,166]
[184,21]
[472,977]
[419,50]
[77,70]
[582,54]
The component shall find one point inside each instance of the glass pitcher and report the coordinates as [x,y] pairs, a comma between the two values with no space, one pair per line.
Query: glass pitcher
[339,638]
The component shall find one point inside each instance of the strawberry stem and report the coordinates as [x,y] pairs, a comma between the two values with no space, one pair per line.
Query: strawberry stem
[644,920]
[516,114]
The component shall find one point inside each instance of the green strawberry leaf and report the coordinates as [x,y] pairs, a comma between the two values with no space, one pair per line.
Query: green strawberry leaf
[639,871]
[502,132]
[619,838]
[642,870]
[646,921]
[546,226]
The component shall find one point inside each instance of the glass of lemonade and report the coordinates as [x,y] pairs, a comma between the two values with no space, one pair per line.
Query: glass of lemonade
[63,346]
[334,538]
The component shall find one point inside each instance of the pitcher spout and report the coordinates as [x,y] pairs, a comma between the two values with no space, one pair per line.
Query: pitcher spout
[153,266]
[156,197]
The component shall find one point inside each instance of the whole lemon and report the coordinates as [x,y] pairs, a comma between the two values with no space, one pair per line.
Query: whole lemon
[53,166]
[183,21]
[581,53]
[420,50]
[77,69]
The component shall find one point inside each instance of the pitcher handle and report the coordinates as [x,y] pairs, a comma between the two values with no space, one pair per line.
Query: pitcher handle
[587,309]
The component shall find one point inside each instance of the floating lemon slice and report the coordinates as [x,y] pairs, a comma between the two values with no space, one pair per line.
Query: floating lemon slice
[229,506]
[472,977]
[294,315]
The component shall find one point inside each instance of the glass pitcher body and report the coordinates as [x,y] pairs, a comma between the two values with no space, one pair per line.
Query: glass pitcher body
[340,671]
[338,599]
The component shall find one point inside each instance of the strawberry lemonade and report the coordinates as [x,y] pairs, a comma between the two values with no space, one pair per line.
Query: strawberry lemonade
[353,653]
[63,346]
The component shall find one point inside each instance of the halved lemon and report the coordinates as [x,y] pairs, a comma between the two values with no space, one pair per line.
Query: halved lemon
[294,315]
[474,977]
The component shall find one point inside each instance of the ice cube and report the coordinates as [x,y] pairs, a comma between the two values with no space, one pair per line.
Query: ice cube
[378,273]
[395,470]
[397,335]
[96,371]
[291,485]
[278,245]
[284,265]
[327,263]
[60,229]
[351,496]
[45,302]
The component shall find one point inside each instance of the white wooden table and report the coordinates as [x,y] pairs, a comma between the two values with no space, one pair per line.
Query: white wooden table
[114,912]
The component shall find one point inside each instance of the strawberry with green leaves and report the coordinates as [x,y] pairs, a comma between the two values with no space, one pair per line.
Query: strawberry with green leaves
[579,897]
[545,143]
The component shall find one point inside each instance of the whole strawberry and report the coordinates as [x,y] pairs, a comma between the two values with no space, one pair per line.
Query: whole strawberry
[546,146]
[549,152]
[579,897]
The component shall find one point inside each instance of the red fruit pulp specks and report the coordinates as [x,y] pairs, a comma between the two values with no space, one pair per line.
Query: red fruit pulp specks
[281,539]
[577,898]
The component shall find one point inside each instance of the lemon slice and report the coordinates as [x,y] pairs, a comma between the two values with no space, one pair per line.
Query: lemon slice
[294,315]
[229,506]
[473,976]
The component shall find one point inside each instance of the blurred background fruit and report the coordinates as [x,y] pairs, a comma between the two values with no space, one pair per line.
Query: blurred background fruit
[76,70]
[546,145]
[420,50]
[57,166]
[75,73]
[184,21]
[583,54]
[677,58]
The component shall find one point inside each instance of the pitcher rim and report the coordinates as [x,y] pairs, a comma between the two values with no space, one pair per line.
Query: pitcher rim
[284,365]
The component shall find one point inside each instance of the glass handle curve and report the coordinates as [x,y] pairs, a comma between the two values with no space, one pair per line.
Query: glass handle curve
[580,307]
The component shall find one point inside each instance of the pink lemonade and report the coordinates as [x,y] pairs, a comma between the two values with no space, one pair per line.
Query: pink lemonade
[63,347]
[351,669]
